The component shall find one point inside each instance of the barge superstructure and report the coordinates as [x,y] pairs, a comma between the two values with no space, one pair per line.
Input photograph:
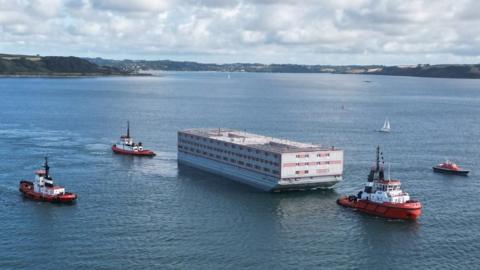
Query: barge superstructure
[267,163]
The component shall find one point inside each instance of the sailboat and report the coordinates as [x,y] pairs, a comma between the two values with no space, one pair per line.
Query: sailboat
[386,126]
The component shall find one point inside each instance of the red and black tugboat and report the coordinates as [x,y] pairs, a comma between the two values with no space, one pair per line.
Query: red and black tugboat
[127,146]
[383,197]
[451,168]
[43,189]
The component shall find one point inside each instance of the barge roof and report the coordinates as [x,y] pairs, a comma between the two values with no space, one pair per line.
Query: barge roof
[256,141]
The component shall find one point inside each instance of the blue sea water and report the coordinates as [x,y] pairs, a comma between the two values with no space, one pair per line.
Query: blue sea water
[137,213]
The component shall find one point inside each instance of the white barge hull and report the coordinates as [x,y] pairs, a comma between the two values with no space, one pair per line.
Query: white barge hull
[257,180]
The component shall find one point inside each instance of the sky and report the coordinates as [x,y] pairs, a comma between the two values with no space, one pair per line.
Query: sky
[337,32]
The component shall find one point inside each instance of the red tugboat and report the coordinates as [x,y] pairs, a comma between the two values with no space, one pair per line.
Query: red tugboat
[127,146]
[383,197]
[451,168]
[43,188]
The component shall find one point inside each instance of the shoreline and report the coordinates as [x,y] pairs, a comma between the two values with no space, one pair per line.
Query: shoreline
[71,75]
[92,75]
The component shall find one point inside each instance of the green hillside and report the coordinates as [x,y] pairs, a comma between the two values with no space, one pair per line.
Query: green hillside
[52,65]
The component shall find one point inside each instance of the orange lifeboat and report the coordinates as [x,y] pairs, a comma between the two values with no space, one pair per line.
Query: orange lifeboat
[450,167]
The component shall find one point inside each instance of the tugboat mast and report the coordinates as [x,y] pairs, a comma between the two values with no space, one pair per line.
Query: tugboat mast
[376,173]
[128,129]
[381,170]
[47,168]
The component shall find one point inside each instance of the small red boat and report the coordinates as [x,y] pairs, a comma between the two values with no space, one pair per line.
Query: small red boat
[43,189]
[450,167]
[383,197]
[127,146]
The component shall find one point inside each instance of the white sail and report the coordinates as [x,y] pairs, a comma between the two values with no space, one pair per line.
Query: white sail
[386,126]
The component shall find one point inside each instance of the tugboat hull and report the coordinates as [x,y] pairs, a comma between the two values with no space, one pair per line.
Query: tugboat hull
[457,172]
[26,188]
[410,210]
[144,153]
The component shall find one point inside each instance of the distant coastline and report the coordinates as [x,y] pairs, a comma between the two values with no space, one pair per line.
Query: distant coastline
[469,71]
[60,66]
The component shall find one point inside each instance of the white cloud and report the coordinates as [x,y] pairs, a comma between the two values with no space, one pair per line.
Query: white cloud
[308,31]
[253,37]
[44,8]
[131,6]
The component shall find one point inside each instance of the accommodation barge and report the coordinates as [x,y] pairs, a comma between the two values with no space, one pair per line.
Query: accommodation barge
[267,163]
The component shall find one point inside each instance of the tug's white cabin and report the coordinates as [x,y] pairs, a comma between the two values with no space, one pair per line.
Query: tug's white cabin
[386,191]
[44,184]
[127,143]
[126,140]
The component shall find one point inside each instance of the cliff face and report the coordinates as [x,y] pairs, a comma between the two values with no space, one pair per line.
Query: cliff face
[52,65]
